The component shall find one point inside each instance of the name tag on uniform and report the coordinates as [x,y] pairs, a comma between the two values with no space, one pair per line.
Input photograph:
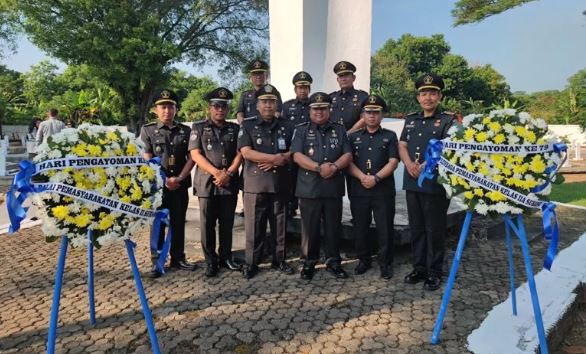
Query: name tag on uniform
[281,144]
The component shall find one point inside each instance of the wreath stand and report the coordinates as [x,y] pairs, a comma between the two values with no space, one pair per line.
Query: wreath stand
[90,258]
[518,228]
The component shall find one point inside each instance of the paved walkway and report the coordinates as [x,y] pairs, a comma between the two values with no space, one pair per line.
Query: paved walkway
[270,313]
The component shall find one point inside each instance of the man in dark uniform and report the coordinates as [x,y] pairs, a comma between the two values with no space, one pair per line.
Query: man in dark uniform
[213,148]
[258,71]
[264,142]
[427,206]
[168,140]
[347,102]
[376,157]
[321,149]
[297,111]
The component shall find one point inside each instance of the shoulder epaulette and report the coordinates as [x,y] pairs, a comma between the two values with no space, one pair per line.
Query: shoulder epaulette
[149,124]
[201,121]
[301,124]
[288,101]
[249,118]
[411,114]
[449,113]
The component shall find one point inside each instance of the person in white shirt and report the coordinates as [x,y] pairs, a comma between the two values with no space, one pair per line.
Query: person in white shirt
[50,126]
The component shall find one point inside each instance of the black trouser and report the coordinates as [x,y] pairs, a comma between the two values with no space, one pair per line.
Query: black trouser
[258,209]
[293,201]
[427,222]
[220,209]
[313,211]
[384,215]
[176,201]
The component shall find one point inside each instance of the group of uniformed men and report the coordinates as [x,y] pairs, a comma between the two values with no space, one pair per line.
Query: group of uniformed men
[310,145]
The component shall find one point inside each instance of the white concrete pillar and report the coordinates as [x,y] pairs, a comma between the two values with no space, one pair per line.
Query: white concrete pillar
[313,35]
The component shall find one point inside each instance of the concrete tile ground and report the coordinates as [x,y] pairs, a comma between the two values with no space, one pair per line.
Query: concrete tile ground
[272,313]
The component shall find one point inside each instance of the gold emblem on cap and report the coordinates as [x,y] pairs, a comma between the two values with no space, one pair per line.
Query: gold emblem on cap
[223,93]
[428,80]
[343,65]
[372,99]
[257,64]
[302,75]
[165,94]
[269,88]
[319,98]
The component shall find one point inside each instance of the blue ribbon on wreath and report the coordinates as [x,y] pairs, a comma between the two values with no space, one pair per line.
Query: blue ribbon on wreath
[551,232]
[433,154]
[557,148]
[20,184]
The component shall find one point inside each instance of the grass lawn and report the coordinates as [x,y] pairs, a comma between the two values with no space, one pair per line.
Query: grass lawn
[571,193]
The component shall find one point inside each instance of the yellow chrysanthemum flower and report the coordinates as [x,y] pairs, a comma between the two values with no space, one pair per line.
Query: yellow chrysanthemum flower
[469,134]
[485,120]
[149,172]
[146,204]
[123,182]
[481,137]
[112,136]
[468,195]
[94,150]
[60,212]
[537,165]
[131,149]
[479,192]
[521,131]
[106,222]
[499,138]
[495,196]
[79,149]
[494,126]
[530,137]
[83,220]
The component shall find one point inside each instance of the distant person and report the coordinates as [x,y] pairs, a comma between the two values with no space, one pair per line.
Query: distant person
[33,128]
[258,73]
[347,101]
[69,124]
[50,126]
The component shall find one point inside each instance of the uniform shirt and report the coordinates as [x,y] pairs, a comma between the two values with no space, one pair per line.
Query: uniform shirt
[346,106]
[47,128]
[169,144]
[321,144]
[371,152]
[219,146]
[247,104]
[270,138]
[417,132]
[296,111]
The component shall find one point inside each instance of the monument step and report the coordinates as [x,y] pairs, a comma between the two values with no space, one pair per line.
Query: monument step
[15,150]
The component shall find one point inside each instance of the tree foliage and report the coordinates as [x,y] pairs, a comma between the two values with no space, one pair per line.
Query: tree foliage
[131,44]
[470,11]
[398,63]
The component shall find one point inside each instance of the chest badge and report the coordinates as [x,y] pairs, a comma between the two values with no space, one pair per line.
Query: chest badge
[310,151]
[437,123]
[259,141]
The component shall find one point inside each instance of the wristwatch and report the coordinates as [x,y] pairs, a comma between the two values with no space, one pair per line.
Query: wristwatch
[377,178]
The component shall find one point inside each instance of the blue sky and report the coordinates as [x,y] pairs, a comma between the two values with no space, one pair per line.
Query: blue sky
[536,46]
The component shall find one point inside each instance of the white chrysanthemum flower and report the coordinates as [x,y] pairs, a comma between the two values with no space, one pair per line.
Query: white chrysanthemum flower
[509,129]
[478,126]
[481,208]
[513,139]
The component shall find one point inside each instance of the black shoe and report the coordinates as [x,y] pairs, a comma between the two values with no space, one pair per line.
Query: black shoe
[386,271]
[283,267]
[230,264]
[362,267]
[154,273]
[249,271]
[415,277]
[307,271]
[183,265]
[211,270]
[337,271]
[432,283]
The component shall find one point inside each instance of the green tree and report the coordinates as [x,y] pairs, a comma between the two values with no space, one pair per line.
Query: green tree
[470,11]
[396,65]
[12,99]
[40,84]
[191,91]
[8,26]
[131,44]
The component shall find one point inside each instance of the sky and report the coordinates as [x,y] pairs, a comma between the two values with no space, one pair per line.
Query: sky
[536,46]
